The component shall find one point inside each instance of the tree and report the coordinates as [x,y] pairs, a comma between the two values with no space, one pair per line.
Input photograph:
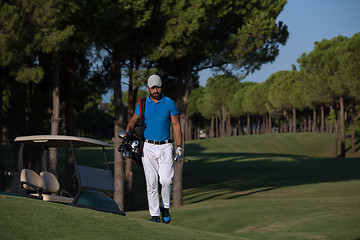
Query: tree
[323,63]
[57,32]
[125,18]
[24,33]
[208,111]
[219,91]
[301,91]
[194,110]
[201,34]
[349,70]
[314,94]
[236,105]
[182,38]
[254,103]
[248,106]
[279,91]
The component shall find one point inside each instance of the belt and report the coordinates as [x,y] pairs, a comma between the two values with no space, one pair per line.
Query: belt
[158,142]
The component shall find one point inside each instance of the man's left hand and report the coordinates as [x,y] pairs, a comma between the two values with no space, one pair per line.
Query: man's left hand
[180,150]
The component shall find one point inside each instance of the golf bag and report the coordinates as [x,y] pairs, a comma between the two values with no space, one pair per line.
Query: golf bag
[133,141]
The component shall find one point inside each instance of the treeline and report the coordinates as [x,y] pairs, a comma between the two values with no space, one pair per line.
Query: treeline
[322,96]
[58,57]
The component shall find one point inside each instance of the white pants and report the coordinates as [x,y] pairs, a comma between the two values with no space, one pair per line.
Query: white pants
[158,166]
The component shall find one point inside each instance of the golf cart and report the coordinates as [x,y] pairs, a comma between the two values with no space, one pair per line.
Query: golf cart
[95,186]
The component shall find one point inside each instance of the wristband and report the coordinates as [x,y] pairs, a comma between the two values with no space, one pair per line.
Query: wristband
[180,146]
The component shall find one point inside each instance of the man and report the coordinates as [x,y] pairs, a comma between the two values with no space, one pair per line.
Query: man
[158,163]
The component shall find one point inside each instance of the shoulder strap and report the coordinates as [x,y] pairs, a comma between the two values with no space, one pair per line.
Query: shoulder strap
[140,107]
[141,102]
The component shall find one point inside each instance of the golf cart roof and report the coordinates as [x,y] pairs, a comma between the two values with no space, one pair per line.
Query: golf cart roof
[60,141]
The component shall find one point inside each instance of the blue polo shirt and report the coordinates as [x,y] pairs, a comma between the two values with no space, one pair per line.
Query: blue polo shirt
[158,118]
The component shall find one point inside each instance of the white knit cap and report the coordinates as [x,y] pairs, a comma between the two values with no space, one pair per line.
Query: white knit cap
[154,80]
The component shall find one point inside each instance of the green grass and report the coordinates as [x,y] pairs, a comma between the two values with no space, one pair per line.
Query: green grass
[282,186]
[23,218]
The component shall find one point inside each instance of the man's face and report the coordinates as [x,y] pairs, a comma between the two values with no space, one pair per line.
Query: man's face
[155,92]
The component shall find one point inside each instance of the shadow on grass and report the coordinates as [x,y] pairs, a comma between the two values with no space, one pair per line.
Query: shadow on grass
[234,175]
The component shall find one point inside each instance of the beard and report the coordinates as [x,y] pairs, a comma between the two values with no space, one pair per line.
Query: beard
[156,96]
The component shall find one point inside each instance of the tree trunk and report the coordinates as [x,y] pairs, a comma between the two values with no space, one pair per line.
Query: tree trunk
[342,127]
[285,127]
[290,123]
[184,96]
[2,165]
[131,97]
[189,129]
[228,126]
[223,122]
[270,123]
[212,127]
[234,130]
[177,193]
[314,127]
[132,101]
[216,126]
[309,121]
[55,110]
[69,126]
[322,119]
[133,91]
[266,123]
[248,123]
[128,181]
[263,124]
[178,171]
[118,124]
[294,119]
[331,126]
[336,140]
[353,126]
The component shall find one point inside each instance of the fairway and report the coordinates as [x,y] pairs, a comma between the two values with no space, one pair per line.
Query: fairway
[283,186]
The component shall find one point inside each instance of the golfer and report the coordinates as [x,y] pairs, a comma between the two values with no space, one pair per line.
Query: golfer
[158,157]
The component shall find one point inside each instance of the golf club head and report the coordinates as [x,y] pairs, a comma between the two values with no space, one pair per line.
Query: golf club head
[122,133]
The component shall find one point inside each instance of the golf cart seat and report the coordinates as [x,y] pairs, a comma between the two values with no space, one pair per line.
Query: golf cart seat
[43,186]
[31,181]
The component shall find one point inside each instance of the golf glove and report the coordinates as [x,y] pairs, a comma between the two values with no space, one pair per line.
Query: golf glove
[179,150]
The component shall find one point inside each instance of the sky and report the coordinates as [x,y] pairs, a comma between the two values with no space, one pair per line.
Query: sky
[308,21]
